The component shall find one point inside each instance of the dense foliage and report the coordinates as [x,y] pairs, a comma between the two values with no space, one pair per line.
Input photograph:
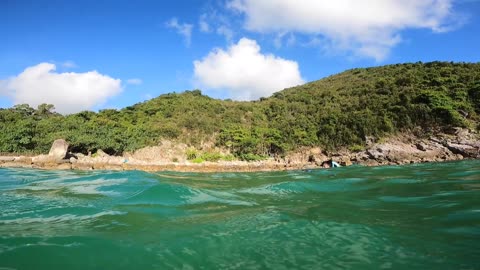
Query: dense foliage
[338,111]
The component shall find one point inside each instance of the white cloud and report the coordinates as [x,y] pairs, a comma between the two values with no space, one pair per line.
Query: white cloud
[70,92]
[245,72]
[134,81]
[365,27]
[69,64]
[217,23]
[279,39]
[225,31]
[183,29]
[203,24]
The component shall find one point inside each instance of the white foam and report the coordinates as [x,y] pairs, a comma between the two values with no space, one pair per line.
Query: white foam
[78,187]
[59,219]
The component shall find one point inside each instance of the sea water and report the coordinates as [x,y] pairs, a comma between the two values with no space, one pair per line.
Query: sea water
[422,216]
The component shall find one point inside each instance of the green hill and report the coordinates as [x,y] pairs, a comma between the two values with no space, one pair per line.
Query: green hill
[339,111]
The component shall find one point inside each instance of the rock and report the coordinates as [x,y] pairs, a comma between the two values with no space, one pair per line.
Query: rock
[165,152]
[305,155]
[421,146]
[370,140]
[23,159]
[59,149]
[62,166]
[376,154]
[11,164]
[44,159]
[101,153]
[463,149]
[6,159]
[82,166]
[73,160]
[109,167]
[346,162]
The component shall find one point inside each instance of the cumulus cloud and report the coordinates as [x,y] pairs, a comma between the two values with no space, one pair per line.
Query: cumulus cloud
[134,81]
[69,92]
[183,29]
[365,27]
[245,72]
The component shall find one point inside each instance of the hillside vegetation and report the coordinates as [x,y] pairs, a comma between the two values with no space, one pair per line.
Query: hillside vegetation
[336,112]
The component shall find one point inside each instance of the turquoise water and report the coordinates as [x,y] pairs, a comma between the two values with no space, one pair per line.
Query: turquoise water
[424,216]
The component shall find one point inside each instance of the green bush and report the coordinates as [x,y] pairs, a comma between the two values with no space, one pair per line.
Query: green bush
[198,160]
[356,148]
[252,157]
[191,154]
[228,158]
[211,156]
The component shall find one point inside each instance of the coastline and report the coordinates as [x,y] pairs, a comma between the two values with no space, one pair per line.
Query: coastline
[206,167]
[398,150]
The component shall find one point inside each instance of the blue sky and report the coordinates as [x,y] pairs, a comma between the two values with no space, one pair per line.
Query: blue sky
[91,55]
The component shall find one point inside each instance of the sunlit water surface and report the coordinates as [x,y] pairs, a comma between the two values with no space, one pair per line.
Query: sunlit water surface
[423,216]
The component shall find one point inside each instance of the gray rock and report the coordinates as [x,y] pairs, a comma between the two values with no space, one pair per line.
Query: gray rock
[59,149]
[6,159]
[464,150]
[376,153]
[421,146]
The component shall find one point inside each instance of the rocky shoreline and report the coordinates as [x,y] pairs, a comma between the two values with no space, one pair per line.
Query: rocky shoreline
[402,149]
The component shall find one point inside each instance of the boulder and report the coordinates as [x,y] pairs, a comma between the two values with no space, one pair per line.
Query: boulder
[59,149]
[464,150]
[376,153]
[421,146]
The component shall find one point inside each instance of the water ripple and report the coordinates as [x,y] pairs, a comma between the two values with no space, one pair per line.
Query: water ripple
[422,216]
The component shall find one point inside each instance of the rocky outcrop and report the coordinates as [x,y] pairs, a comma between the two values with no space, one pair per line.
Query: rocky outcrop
[7,159]
[306,155]
[59,149]
[409,149]
[401,149]
[166,151]
[465,150]
[56,155]
[463,143]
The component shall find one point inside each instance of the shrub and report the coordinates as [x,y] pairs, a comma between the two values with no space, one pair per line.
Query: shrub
[252,157]
[191,154]
[356,148]
[213,156]
[198,160]
[228,158]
